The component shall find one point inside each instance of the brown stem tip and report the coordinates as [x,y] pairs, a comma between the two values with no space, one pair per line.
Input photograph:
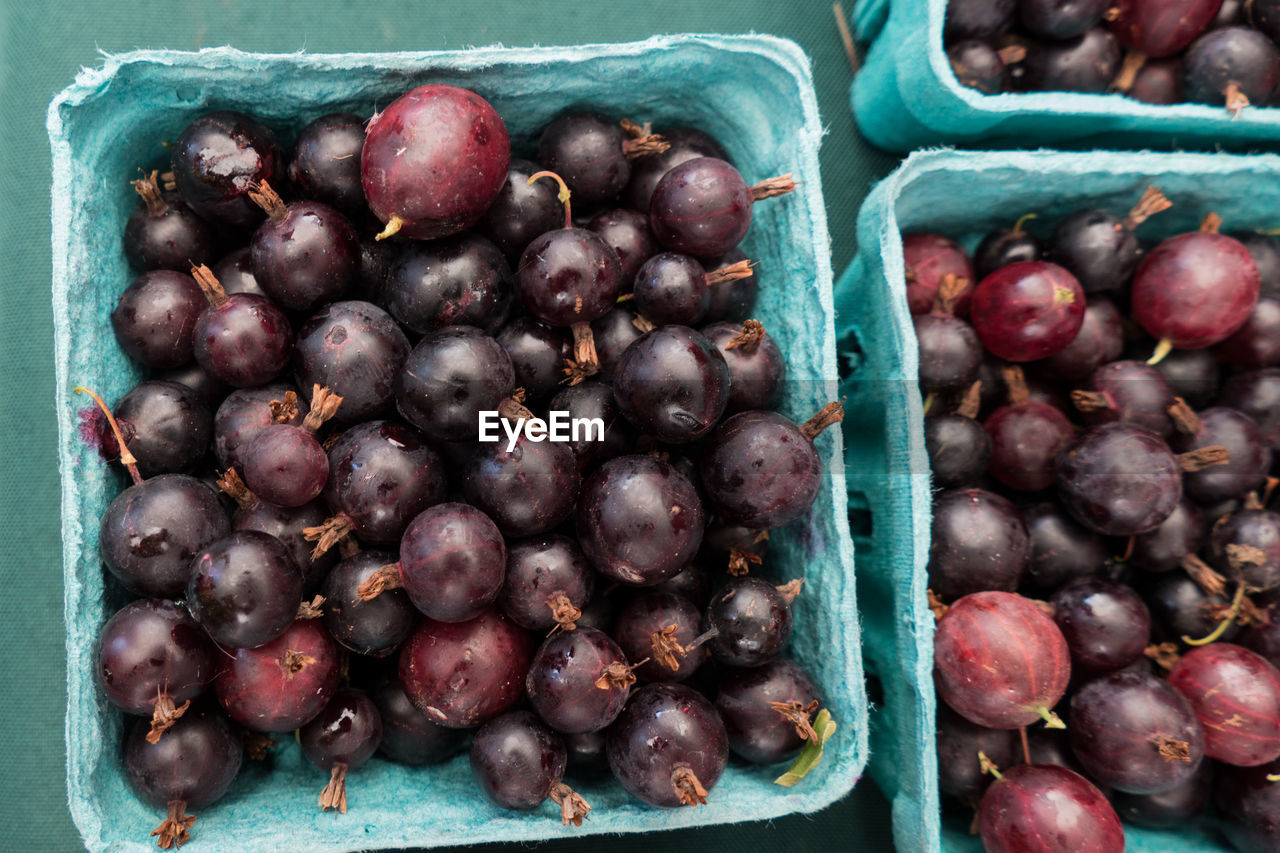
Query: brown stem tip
[642,146]
[1211,224]
[1012,54]
[334,795]
[643,323]
[1235,98]
[1165,655]
[791,589]
[1133,62]
[687,787]
[234,488]
[565,612]
[740,561]
[310,609]
[1210,582]
[1172,750]
[617,675]
[950,289]
[324,405]
[328,534]
[971,402]
[1090,401]
[258,745]
[573,808]
[732,272]
[1204,457]
[633,130]
[293,662]
[831,413]
[771,187]
[149,188]
[1152,202]
[164,715]
[666,650]
[283,411]
[1184,418]
[384,578]
[1243,556]
[173,832]
[800,716]
[393,226]
[513,408]
[936,606]
[269,200]
[748,338]
[209,285]
[584,348]
[1015,383]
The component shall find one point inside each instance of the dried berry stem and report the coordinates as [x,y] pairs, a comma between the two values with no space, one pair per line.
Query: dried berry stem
[1090,401]
[733,272]
[565,612]
[791,589]
[748,338]
[1012,54]
[1210,582]
[1163,347]
[687,787]
[971,402]
[1015,383]
[585,360]
[1240,557]
[283,411]
[127,459]
[1172,750]
[164,715]
[641,146]
[324,405]
[950,290]
[258,745]
[1211,224]
[209,285]
[1235,98]
[310,609]
[1203,457]
[1165,655]
[328,534]
[771,187]
[173,832]
[633,130]
[233,487]
[617,675]
[988,766]
[269,200]
[799,715]
[1236,603]
[384,578]
[1026,745]
[740,560]
[573,808]
[1184,418]
[666,650]
[1128,550]
[1253,501]
[1133,62]
[334,795]
[149,189]
[563,194]
[936,606]
[831,413]
[394,224]
[643,323]
[1268,489]
[1152,202]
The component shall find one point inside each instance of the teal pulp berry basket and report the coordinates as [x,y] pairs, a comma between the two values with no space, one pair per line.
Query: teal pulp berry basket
[906,97]
[965,195]
[754,93]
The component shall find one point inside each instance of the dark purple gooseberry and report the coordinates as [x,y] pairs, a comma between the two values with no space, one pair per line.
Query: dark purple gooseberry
[1257,343]
[191,767]
[1099,341]
[408,735]
[1025,441]
[668,747]
[761,470]
[218,159]
[1248,804]
[375,259]
[519,762]
[283,684]
[305,254]
[235,273]
[1245,546]
[1060,19]
[950,352]
[355,350]
[752,618]
[979,541]
[686,143]
[152,660]
[928,259]
[757,367]
[702,207]
[151,531]
[959,449]
[1119,480]
[628,233]
[1165,547]
[452,562]
[243,340]
[978,19]
[694,582]
[673,384]
[1086,63]
[767,710]
[672,288]
[1180,608]
[197,379]
[381,475]
[660,628]
[547,583]
[288,524]
[1193,374]
[1131,392]
[285,465]
[569,276]
[155,319]
[578,681]
[326,162]
[374,627]
[1194,290]
[734,299]
[1061,550]
[246,411]
[1135,733]
[1249,456]
[462,674]
[1257,395]
[166,426]
[1104,621]
[1265,251]
[539,354]
[521,210]
[978,65]
[528,490]
[1098,247]
[613,334]
[343,736]
[459,281]
[449,378]
[959,741]
[1159,81]
[999,661]
[1169,809]
[639,520]
[592,153]
[244,589]
[1235,66]
[594,400]
[1028,311]
[164,234]
[433,161]
[1161,29]
[1235,694]
[1033,801]
[1002,247]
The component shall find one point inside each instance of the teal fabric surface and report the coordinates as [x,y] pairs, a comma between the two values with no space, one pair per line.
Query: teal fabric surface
[906,97]
[965,195]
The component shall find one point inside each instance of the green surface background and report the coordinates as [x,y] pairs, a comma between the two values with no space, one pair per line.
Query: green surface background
[42,45]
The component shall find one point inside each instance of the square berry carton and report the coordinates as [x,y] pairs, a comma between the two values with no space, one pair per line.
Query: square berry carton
[753,93]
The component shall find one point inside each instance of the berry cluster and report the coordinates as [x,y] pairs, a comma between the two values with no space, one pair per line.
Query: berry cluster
[1102,413]
[310,499]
